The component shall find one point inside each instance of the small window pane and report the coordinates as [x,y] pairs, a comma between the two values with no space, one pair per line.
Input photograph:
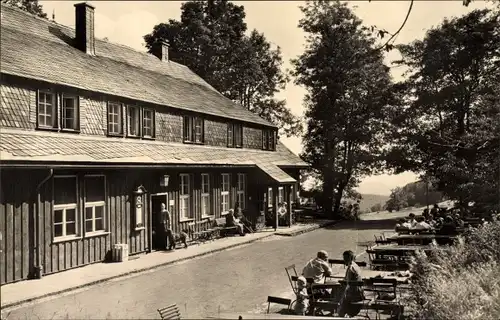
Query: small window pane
[88,226]
[88,213]
[99,212]
[58,216]
[58,230]
[70,228]
[114,118]
[148,123]
[99,224]
[70,215]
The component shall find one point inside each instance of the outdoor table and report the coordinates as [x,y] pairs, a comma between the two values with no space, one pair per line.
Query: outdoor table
[402,251]
[235,316]
[421,239]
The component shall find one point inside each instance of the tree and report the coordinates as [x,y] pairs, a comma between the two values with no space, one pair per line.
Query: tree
[397,200]
[447,121]
[30,6]
[376,207]
[210,39]
[347,93]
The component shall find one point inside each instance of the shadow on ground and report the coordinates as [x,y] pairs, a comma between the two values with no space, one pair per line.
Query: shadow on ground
[364,224]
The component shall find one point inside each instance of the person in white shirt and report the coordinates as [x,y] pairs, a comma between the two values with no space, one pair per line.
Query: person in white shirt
[318,268]
[421,224]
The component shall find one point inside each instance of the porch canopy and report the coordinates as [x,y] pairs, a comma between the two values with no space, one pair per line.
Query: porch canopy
[21,148]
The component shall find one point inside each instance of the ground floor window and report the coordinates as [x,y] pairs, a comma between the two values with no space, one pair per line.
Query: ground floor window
[205,195]
[226,185]
[281,195]
[184,190]
[270,197]
[240,193]
[65,195]
[95,203]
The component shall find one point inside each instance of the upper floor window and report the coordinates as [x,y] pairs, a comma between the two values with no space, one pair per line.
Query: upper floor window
[140,122]
[115,126]
[194,129]
[70,113]
[234,135]
[148,123]
[268,139]
[47,111]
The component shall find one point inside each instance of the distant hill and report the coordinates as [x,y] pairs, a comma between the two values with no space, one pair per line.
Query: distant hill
[369,200]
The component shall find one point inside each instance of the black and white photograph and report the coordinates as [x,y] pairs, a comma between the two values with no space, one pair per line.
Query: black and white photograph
[223,159]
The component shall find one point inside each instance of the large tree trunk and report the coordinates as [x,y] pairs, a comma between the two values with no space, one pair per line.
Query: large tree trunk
[328,199]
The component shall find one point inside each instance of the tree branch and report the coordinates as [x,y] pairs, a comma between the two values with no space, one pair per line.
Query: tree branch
[400,28]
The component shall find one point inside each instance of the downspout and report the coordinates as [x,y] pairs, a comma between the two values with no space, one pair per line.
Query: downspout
[36,218]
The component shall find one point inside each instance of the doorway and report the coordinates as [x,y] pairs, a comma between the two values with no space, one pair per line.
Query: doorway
[158,232]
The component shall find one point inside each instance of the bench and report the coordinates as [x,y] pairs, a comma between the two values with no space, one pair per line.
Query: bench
[220,225]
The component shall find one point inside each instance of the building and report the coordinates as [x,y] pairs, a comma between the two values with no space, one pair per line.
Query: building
[95,136]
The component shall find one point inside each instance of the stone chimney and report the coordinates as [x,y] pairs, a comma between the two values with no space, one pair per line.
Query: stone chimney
[160,50]
[84,28]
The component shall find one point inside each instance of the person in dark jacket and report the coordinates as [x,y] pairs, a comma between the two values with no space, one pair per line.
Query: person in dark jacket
[232,221]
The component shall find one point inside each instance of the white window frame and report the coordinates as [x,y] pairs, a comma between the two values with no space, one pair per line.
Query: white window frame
[112,115]
[93,205]
[129,121]
[53,114]
[270,197]
[65,207]
[240,191]
[281,195]
[205,194]
[152,123]
[76,107]
[184,213]
[225,194]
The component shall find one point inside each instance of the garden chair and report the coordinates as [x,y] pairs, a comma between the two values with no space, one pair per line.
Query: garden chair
[171,312]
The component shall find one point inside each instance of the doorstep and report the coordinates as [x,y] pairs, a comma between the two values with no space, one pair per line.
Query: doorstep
[15,294]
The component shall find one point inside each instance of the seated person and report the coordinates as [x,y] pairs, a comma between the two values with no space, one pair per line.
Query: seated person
[302,302]
[448,227]
[411,220]
[232,221]
[352,292]
[421,224]
[238,214]
[403,224]
[318,268]
[435,210]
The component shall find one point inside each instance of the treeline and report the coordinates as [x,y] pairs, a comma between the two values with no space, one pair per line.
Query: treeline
[414,194]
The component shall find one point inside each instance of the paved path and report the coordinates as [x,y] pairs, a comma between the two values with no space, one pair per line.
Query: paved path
[238,279]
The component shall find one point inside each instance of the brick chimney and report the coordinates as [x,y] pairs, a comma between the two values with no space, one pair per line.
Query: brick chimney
[160,50]
[84,28]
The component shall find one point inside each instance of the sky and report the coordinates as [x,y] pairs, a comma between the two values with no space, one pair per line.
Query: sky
[126,22]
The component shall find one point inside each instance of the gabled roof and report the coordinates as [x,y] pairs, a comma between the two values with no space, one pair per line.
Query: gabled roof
[37,48]
[55,148]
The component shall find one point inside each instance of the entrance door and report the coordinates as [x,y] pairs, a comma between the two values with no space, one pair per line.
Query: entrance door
[157,223]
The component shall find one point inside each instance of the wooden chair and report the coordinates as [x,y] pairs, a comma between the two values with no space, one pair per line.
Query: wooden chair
[291,272]
[171,312]
[278,300]
[385,295]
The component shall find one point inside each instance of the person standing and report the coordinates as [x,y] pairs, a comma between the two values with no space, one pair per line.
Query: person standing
[167,225]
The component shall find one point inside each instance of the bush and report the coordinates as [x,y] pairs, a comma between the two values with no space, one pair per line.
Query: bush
[463,283]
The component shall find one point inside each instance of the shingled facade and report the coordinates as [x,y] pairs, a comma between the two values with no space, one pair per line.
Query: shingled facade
[95,136]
